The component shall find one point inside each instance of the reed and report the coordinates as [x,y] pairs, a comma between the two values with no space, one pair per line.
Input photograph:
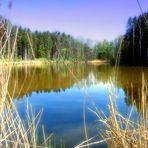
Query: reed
[13,131]
[122,131]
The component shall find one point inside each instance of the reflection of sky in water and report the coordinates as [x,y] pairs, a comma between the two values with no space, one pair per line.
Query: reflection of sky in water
[63,111]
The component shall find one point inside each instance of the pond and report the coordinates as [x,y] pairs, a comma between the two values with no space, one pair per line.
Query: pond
[67,93]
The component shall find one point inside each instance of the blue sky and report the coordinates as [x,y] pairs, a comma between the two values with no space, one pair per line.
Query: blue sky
[94,19]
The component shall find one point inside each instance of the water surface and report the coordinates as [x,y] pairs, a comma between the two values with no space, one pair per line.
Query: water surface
[64,93]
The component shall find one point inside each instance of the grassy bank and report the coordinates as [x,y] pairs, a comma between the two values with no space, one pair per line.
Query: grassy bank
[39,62]
[36,62]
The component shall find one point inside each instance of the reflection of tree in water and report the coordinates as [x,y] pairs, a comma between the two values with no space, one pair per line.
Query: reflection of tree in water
[58,78]
[44,79]
[132,84]
[129,79]
[134,97]
[55,78]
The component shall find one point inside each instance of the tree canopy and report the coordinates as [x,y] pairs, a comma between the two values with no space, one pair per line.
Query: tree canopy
[135,43]
[132,46]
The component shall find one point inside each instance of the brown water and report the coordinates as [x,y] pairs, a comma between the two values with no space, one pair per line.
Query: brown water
[61,91]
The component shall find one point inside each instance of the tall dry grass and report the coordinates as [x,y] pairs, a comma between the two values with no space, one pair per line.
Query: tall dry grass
[13,131]
[119,130]
[122,131]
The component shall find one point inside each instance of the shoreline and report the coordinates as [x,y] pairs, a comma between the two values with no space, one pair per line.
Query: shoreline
[31,62]
[98,62]
[41,62]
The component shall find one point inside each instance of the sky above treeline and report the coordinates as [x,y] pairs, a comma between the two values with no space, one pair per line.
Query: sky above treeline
[93,19]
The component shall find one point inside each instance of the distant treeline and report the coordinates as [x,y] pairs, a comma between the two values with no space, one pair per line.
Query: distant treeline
[48,45]
[135,42]
[132,47]
[54,45]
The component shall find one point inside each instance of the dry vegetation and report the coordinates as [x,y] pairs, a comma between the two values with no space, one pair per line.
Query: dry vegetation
[120,131]
[13,131]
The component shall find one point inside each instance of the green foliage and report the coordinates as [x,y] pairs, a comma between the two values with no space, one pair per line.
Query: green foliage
[54,45]
[58,46]
[62,144]
[104,50]
[53,142]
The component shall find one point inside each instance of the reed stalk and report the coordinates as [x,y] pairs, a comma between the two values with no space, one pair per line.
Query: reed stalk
[13,131]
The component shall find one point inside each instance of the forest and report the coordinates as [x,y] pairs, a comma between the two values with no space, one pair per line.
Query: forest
[135,42]
[132,46]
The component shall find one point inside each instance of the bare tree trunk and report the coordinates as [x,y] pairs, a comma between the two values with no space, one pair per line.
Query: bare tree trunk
[133,43]
[140,39]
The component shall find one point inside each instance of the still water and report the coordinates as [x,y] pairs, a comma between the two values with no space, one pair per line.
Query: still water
[65,93]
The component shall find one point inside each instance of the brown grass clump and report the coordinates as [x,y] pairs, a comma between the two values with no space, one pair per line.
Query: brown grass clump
[13,131]
[122,131]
